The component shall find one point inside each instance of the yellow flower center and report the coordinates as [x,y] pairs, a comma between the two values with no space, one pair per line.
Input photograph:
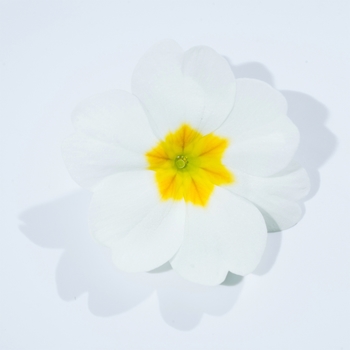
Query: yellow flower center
[188,165]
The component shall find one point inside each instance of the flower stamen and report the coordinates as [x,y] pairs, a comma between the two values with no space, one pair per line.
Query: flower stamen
[181,162]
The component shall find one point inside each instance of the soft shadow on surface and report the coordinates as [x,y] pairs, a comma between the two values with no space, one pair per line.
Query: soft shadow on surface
[83,266]
[183,308]
[317,143]
[86,267]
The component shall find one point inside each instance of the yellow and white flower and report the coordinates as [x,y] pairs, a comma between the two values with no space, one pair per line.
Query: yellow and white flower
[194,167]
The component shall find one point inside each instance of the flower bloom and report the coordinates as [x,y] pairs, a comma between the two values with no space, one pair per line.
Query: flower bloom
[193,168]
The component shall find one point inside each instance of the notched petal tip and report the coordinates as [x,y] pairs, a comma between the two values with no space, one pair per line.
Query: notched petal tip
[277,197]
[229,235]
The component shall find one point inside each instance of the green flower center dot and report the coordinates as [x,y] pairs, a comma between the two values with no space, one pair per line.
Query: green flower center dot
[181,162]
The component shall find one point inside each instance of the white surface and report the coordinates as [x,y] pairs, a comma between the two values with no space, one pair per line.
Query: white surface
[59,289]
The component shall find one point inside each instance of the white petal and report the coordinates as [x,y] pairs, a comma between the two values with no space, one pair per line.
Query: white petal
[276,196]
[112,135]
[263,140]
[127,215]
[196,87]
[228,235]
[115,117]
[89,160]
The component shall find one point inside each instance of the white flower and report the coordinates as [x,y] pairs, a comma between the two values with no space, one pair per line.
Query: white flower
[193,168]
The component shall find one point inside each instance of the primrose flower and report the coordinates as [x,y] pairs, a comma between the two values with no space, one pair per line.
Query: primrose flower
[194,167]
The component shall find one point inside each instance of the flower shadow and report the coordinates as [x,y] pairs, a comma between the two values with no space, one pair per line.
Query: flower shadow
[62,224]
[86,267]
[317,143]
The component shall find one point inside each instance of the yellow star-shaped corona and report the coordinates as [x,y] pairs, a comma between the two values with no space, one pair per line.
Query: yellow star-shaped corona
[188,165]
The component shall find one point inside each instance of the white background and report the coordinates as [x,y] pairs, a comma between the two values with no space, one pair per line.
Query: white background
[59,289]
